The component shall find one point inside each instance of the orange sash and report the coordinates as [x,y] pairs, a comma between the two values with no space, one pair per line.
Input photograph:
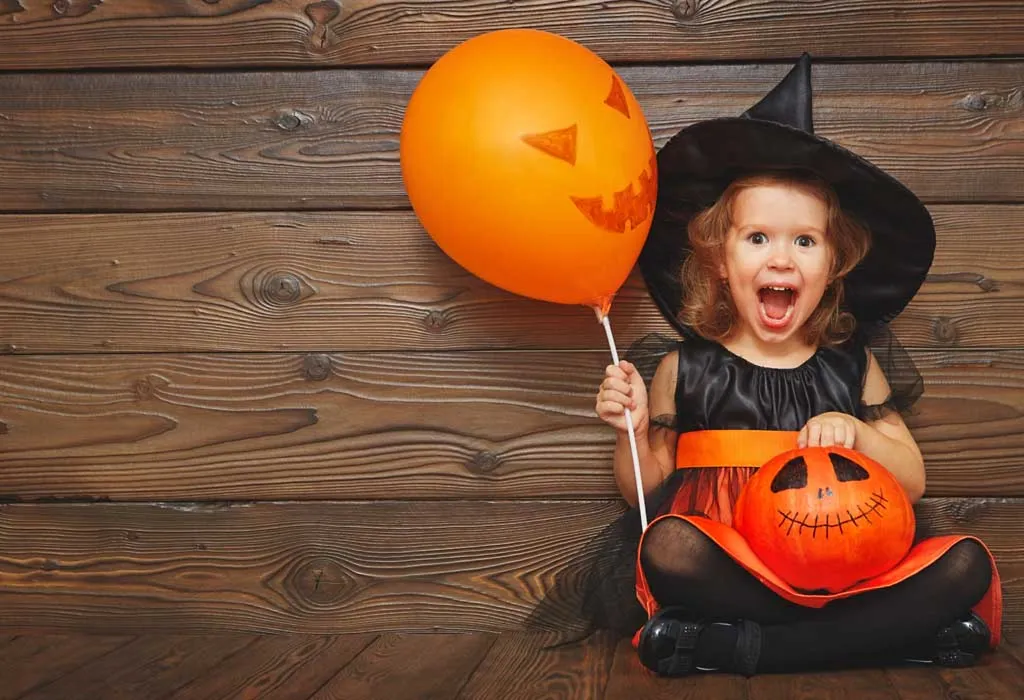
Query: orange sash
[731,448]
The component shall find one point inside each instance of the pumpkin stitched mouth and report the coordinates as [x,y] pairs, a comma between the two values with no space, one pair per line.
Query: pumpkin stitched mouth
[876,506]
[631,205]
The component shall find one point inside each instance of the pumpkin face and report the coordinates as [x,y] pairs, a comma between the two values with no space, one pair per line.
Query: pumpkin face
[529,161]
[825,518]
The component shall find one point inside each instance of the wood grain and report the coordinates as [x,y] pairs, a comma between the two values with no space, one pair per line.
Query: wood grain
[529,666]
[319,281]
[69,34]
[919,682]
[869,684]
[278,666]
[399,426]
[536,671]
[34,660]
[630,680]
[344,566]
[151,667]
[329,139]
[409,667]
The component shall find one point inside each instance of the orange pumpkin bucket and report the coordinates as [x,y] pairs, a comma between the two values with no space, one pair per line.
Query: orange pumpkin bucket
[825,518]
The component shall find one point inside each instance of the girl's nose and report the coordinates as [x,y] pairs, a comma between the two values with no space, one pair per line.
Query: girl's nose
[780,256]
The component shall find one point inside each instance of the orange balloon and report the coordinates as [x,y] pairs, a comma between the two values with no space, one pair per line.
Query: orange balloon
[529,162]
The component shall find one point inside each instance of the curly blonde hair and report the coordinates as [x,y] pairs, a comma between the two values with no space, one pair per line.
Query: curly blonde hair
[707,305]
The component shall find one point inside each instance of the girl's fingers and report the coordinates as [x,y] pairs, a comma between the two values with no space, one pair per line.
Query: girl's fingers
[610,407]
[616,385]
[814,435]
[616,372]
[617,397]
[828,435]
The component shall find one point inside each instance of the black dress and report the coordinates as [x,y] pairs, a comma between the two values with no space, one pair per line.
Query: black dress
[715,389]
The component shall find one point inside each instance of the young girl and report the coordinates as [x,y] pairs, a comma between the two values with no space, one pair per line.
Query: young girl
[780,257]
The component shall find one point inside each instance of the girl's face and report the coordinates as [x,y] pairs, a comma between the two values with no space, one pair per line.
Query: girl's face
[777,260]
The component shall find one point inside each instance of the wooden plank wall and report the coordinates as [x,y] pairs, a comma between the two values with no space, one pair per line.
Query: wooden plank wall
[241,389]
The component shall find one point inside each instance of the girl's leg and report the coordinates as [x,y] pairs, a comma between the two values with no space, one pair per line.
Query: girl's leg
[888,621]
[685,568]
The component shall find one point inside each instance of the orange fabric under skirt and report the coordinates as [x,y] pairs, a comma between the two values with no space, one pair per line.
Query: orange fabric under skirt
[921,555]
[743,449]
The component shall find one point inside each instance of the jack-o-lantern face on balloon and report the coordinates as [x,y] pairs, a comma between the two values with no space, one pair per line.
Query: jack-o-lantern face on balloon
[824,518]
[529,162]
[613,210]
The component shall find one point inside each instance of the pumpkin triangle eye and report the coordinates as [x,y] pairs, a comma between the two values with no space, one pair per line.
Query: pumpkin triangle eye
[846,469]
[793,475]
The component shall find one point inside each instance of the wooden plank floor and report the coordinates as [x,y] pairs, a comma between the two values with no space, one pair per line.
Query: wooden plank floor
[419,666]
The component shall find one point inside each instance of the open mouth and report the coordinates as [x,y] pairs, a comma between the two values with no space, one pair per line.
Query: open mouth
[631,206]
[874,508]
[776,304]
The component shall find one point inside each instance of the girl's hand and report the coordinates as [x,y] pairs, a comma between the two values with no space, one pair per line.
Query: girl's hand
[829,429]
[622,388]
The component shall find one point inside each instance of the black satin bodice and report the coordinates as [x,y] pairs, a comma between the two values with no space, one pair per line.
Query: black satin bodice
[717,389]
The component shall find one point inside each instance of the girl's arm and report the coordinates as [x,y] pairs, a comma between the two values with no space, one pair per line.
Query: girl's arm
[656,448]
[888,440]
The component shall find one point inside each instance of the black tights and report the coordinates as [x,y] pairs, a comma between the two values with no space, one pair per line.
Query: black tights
[684,567]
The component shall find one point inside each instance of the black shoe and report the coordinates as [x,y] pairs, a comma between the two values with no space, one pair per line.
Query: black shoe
[668,644]
[957,645]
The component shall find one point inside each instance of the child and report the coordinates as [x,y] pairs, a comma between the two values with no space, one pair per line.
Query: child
[780,257]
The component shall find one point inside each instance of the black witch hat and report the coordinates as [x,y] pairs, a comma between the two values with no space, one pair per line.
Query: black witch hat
[777,134]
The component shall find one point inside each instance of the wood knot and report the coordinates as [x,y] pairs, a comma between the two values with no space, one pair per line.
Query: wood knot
[282,288]
[49,565]
[291,120]
[435,320]
[685,9]
[149,385]
[279,288]
[944,330]
[484,462]
[8,349]
[322,581]
[73,8]
[974,103]
[323,12]
[316,366]
[273,289]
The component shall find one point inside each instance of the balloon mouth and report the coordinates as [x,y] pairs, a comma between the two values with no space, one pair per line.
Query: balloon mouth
[631,206]
[876,506]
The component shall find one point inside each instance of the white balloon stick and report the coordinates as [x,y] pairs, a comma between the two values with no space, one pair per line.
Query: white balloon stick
[629,428]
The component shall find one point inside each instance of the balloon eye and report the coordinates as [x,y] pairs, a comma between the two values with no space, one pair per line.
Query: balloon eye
[617,98]
[560,143]
[792,476]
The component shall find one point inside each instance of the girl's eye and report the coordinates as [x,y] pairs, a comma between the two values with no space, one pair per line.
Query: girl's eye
[804,241]
[757,238]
